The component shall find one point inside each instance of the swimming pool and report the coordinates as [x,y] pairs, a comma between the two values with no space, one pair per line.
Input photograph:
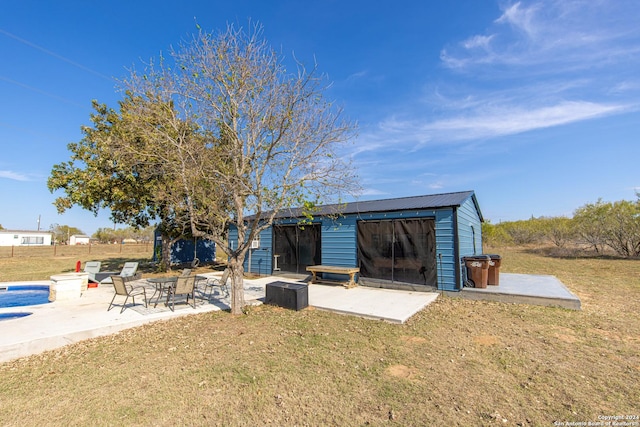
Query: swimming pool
[23,295]
[17,315]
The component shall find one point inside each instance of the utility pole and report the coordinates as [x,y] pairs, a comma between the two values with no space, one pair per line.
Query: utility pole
[38,222]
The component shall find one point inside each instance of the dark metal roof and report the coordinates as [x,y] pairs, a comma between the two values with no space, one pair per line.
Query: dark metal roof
[432,201]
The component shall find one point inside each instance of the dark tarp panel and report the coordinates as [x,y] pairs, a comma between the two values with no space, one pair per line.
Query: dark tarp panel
[297,247]
[375,249]
[398,250]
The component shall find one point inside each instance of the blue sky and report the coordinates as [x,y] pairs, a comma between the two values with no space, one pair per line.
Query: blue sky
[534,105]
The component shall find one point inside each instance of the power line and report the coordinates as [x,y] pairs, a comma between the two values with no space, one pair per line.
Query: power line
[55,55]
[42,92]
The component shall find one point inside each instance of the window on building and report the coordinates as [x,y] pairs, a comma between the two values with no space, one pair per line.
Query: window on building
[32,240]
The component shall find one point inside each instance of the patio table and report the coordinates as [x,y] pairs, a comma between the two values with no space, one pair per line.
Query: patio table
[162,284]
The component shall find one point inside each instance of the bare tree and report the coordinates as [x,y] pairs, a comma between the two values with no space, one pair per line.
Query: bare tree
[259,139]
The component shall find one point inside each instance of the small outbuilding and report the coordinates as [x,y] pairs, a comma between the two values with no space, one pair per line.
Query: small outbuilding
[79,239]
[186,250]
[412,243]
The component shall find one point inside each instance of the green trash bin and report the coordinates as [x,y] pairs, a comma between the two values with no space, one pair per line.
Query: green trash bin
[477,270]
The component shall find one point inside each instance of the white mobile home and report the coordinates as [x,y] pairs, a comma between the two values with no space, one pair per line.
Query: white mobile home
[24,238]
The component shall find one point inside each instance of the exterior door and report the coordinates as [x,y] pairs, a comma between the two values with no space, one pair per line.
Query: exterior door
[297,247]
[398,250]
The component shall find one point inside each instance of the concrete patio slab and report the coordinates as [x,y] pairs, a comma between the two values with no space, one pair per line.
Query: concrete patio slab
[525,289]
[372,303]
[60,323]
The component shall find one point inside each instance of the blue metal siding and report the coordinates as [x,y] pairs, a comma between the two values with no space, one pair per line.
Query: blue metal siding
[339,243]
[261,259]
[233,237]
[445,249]
[469,229]
[469,233]
[182,251]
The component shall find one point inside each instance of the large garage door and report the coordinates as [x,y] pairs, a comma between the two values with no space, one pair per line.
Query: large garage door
[297,247]
[398,250]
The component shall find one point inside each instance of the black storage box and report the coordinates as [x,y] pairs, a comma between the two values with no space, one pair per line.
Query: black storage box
[288,295]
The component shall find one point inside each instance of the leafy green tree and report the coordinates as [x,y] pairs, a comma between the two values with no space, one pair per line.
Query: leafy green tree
[109,235]
[590,224]
[494,234]
[105,235]
[62,233]
[559,230]
[99,176]
[232,132]
[141,234]
[623,228]
[616,225]
[525,231]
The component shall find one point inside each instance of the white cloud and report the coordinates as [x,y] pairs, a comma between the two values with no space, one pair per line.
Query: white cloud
[521,18]
[372,192]
[508,120]
[492,121]
[13,175]
[577,34]
[358,75]
[625,87]
[478,41]
[540,64]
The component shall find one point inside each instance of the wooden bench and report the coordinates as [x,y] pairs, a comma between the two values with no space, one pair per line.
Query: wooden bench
[332,269]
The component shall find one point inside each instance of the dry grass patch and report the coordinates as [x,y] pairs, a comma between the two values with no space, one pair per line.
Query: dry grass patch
[486,340]
[457,362]
[39,263]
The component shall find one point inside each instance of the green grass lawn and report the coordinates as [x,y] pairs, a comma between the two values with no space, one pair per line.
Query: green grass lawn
[457,362]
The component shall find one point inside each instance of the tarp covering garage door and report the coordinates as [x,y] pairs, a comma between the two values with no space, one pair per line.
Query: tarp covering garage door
[398,250]
[297,247]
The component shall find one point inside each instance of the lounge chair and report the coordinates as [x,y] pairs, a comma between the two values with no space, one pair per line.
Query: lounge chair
[128,271]
[185,285]
[222,283]
[92,268]
[126,290]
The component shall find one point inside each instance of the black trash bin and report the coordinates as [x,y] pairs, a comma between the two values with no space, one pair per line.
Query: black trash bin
[493,278]
[477,270]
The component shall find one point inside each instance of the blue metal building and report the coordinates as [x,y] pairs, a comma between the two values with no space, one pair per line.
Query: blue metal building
[404,243]
[185,251]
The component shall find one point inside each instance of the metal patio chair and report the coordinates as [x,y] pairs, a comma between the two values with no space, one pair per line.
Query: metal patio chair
[222,283]
[126,290]
[184,285]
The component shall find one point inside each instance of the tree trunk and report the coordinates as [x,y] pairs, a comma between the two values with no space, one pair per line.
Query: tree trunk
[236,270]
[165,260]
